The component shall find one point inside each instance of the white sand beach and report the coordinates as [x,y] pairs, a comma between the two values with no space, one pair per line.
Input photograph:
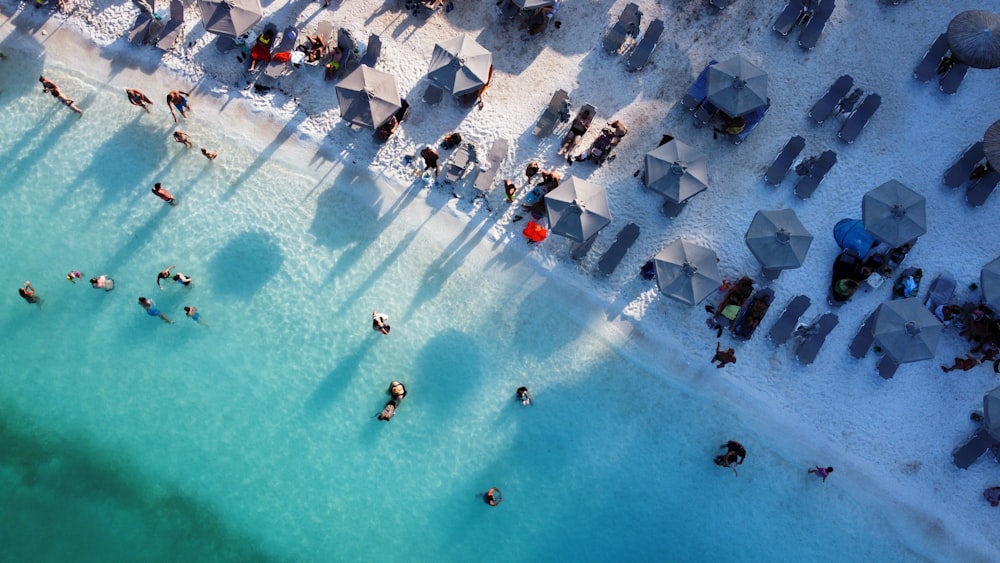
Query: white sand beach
[890,439]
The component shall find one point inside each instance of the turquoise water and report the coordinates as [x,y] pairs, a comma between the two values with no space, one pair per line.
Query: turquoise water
[123,437]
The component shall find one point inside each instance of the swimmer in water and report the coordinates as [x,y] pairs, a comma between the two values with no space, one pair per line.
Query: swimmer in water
[102,282]
[493,497]
[182,137]
[137,98]
[182,279]
[73,276]
[380,323]
[524,396]
[162,193]
[194,315]
[163,275]
[178,99]
[211,155]
[28,294]
[152,311]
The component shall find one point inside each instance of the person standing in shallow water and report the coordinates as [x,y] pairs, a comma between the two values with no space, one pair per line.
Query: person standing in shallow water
[162,193]
[822,472]
[137,98]
[178,99]
[28,294]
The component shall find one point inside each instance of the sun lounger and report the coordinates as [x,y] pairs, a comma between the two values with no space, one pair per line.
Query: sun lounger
[788,17]
[172,31]
[373,51]
[751,121]
[487,171]
[349,47]
[817,21]
[863,340]
[826,105]
[851,128]
[789,319]
[749,319]
[614,255]
[813,337]
[289,37]
[928,66]
[457,165]
[145,30]
[981,188]
[953,78]
[720,4]
[698,91]
[969,452]
[958,173]
[941,291]
[640,55]
[779,168]
[547,122]
[627,24]
[807,185]
[324,30]
[886,366]
[704,114]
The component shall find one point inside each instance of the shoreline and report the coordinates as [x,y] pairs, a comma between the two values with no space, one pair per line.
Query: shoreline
[296,146]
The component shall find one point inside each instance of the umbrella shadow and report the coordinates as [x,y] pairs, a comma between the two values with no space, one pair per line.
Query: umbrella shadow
[457,377]
[245,264]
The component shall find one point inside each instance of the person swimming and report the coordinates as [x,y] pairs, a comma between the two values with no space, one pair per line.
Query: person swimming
[380,322]
[182,279]
[398,391]
[163,275]
[28,294]
[524,396]
[493,497]
[102,282]
[152,311]
[73,276]
[194,314]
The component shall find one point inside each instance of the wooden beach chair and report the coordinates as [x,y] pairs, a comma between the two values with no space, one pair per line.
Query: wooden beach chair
[789,319]
[817,21]
[927,67]
[174,28]
[808,184]
[825,106]
[627,24]
[486,173]
[863,339]
[547,122]
[640,55]
[616,252]
[813,337]
[779,168]
[958,173]
[859,118]
[980,189]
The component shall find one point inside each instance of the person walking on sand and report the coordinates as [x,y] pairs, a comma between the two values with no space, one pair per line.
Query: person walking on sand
[193,314]
[163,275]
[162,193]
[28,294]
[178,99]
[822,472]
[430,157]
[209,155]
[723,356]
[152,311]
[137,98]
[182,137]
[531,170]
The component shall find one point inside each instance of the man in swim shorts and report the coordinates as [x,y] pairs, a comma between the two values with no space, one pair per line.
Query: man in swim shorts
[102,282]
[182,137]
[177,99]
[524,396]
[211,155]
[152,311]
[160,192]
[182,279]
[380,323]
[137,98]
[193,314]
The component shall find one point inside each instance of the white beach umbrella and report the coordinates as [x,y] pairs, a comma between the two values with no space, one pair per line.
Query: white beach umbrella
[906,330]
[368,97]
[460,65]
[737,86]
[677,170]
[778,240]
[989,284]
[991,145]
[577,209]
[687,272]
[894,214]
[229,17]
[533,4]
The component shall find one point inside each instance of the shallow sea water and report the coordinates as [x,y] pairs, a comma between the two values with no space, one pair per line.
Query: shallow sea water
[123,437]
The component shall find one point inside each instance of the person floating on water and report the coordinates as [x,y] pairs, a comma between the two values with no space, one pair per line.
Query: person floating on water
[211,155]
[182,279]
[823,472]
[182,137]
[137,98]
[178,99]
[397,391]
[73,276]
[162,193]
[524,396]
[152,311]
[194,315]
[396,394]
[493,497]
[163,275]
[380,322]
[735,454]
[28,294]
[102,282]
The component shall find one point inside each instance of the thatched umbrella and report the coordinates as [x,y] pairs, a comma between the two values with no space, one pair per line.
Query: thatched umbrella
[974,38]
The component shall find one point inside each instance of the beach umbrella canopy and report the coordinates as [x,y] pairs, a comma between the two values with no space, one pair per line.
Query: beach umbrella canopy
[989,282]
[974,38]
[991,412]
[991,145]
[907,330]
[894,214]
[368,97]
[460,65]
[778,240]
[737,86]
[533,4]
[687,272]
[229,17]
[676,170]
[577,209]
